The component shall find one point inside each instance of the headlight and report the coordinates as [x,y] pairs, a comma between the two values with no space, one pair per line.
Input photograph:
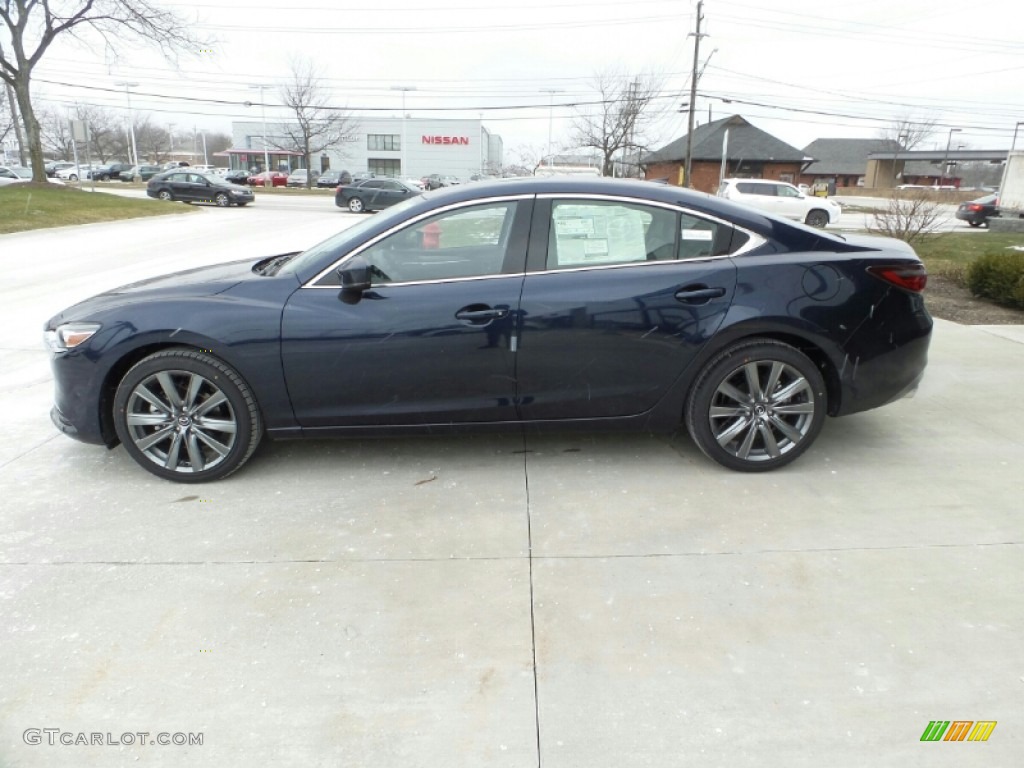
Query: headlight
[69,335]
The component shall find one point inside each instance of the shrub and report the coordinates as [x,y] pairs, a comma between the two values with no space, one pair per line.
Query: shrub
[998,277]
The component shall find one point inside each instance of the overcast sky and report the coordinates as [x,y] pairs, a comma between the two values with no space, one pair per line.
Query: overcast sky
[799,69]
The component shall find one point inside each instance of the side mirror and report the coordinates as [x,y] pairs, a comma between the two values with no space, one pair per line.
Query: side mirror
[354,276]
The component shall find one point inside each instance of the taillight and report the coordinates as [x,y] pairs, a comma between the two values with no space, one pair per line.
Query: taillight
[973,207]
[912,277]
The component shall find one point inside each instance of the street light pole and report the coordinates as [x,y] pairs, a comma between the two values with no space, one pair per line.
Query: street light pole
[263,116]
[131,120]
[945,158]
[551,110]
[404,89]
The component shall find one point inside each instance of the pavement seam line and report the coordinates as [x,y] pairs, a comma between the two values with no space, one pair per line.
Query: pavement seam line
[26,453]
[533,619]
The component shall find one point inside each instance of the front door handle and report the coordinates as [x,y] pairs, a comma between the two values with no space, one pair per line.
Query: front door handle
[480,314]
[698,294]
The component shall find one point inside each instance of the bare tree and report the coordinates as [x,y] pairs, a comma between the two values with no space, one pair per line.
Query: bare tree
[908,131]
[29,27]
[617,124]
[908,216]
[55,132]
[316,126]
[525,159]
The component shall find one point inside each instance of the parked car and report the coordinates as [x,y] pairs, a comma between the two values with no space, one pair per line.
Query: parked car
[277,179]
[978,212]
[781,199]
[57,165]
[12,174]
[298,178]
[437,180]
[19,174]
[373,194]
[140,173]
[188,186]
[609,304]
[333,178]
[237,177]
[109,171]
[74,173]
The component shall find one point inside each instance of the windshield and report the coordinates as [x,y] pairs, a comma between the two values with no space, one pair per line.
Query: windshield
[336,245]
[22,173]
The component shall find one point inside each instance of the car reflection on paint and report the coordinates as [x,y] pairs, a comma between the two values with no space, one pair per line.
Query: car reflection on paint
[547,303]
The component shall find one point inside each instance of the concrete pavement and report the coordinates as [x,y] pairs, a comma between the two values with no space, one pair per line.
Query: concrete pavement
[507,600]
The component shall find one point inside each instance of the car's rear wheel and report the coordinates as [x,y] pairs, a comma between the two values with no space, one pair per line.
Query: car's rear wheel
[165,195]
[356,205]
[222,200]
[756,406]
[974,223]
[186,416]
[816,218]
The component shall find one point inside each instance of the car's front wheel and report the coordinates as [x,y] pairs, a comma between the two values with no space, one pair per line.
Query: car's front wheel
[756,406]
[356,205]
[222,200]
[186,416]
[816,218]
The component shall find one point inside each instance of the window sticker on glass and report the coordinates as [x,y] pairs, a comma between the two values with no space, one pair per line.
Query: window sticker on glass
[698,234]
[599,234]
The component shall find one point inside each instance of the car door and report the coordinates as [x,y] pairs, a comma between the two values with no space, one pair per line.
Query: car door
[431,341]
[391,192]
[618,299]
[791,203]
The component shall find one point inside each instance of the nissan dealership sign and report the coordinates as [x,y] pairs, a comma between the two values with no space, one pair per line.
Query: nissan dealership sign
[446,140]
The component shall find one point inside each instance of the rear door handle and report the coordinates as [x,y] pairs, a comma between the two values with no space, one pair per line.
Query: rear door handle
[698,294]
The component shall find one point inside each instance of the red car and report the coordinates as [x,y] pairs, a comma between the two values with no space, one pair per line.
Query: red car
[277,179]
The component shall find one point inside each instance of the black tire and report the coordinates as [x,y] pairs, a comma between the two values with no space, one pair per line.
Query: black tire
[817,218]
[241,205]
[756,406]
[355,205]
[104,177]
[222,200]
[975,223]
[165,195]
[186,416]
[73,177]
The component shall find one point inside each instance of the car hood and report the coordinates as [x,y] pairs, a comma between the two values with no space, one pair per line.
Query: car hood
[202,281]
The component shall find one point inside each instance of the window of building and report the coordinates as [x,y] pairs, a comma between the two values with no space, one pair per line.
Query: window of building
[384,167]
[384,142]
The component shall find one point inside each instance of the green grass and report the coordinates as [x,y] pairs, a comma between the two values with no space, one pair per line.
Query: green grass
[39,206]
[949,254]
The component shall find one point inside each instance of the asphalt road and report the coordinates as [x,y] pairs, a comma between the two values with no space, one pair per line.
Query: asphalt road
[564,601]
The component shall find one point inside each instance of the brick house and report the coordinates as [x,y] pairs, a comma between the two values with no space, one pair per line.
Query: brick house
[751,154]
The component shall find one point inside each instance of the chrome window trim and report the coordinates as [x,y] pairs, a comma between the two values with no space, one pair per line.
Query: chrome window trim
[311,283]
[754,240]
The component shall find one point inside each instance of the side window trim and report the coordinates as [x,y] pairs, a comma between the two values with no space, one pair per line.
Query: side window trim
[515,253]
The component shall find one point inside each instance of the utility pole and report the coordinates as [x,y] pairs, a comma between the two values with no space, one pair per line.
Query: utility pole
[693,95]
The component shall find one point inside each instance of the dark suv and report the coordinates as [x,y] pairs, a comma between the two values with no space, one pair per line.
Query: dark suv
[109,171]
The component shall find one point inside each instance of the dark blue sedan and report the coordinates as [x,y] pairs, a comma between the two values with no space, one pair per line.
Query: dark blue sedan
[553,303]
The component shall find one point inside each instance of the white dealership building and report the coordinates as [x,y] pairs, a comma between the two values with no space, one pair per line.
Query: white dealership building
[385,146]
